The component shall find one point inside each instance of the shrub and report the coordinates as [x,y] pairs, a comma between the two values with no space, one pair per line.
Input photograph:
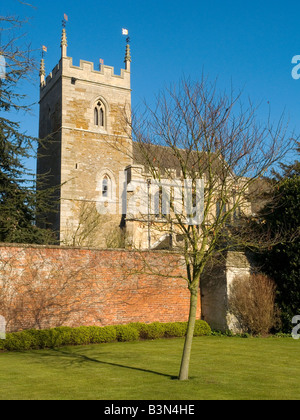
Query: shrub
[2,346]
[81,336]
[49,338]
[19,341]
[100,335]
[63,336]
[201,328]
[152,331]
[126,333]
[37,338]
[137,325]
[178,329]
[252,301]
[175,329]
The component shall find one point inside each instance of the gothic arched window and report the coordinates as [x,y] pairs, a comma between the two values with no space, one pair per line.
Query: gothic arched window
[105,186]
[96,117]
[99,114]
[101,117]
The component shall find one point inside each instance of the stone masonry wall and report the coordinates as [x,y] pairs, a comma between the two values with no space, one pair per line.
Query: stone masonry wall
[42,287]
[216,282]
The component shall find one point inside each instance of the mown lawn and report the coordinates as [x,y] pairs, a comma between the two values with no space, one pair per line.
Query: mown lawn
[221,368]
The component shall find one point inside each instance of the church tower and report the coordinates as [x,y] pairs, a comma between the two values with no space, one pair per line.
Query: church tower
[86,144]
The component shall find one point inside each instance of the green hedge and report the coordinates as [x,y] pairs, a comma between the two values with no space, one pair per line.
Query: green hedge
[150,331]
[64,336]
[175,329]
[201,328]
[127,333]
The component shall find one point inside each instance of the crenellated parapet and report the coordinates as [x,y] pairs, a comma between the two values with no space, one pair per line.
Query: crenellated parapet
[86,71]
[48,82]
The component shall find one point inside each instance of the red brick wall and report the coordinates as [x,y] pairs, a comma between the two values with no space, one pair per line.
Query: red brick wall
[42,287]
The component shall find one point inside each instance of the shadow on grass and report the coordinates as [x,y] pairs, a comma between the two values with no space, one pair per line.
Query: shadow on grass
[81,358]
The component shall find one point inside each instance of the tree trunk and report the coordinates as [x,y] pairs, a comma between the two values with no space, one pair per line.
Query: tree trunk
[185,362]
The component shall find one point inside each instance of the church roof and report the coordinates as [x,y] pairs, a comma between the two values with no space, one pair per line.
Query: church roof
[180,160]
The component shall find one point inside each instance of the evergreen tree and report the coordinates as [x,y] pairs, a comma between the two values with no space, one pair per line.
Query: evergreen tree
[18,197]
[294,169]
[282,262]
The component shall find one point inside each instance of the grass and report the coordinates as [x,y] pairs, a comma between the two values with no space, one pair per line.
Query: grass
[222,368]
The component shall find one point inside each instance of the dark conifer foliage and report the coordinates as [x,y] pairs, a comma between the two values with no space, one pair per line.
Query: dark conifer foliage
[20,204]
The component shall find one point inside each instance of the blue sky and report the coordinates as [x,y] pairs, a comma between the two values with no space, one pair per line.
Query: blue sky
[247,44]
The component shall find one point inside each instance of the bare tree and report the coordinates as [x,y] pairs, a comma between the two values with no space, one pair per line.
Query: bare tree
[43,289]
[85,225]
[194,136]
[41,293]
[88,226]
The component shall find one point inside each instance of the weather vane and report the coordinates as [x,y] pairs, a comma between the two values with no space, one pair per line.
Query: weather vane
[65,20]
[125,32]
[44,50]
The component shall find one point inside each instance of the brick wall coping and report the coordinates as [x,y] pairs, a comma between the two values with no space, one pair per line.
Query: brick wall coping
[35,246]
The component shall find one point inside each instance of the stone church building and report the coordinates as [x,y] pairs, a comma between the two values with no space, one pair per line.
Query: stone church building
[87,152]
